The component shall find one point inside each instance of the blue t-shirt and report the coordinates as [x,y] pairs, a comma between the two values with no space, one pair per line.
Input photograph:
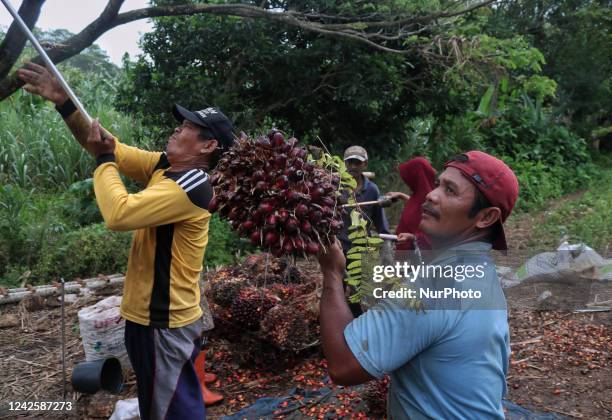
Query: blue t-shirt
[443,363]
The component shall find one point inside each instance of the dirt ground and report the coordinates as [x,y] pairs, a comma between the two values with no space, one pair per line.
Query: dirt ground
[560,363]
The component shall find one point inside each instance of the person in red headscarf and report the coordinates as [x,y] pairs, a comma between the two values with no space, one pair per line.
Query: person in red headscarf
[420,176]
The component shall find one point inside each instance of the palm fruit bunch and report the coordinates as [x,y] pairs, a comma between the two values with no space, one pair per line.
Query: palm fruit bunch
[375,397]
[292,328]
[223,293]
[251,305]
[272,194]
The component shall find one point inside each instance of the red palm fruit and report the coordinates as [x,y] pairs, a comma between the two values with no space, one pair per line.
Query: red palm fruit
[287,247]
[261,186]
[283,215]
[278,140]
[302,153]
[306,226]
[272,220]
[328,201]
[336,224]
[257,215]
[266,207]
[299,245]
[327,187]
[256,238]
[312,248]
[213,205]
[316,193]
[281,181]
[286,148]
[291,195]
[280,160]
[327,211]
[291,225]
[315,216]
[248,224]
[258,175]
[214,179]
[301,210]
[298,163]
[271,238]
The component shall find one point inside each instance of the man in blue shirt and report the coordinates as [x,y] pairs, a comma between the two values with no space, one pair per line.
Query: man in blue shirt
[451,360]
[356,160]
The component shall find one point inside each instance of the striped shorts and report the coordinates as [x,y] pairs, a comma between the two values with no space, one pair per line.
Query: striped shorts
[163,358]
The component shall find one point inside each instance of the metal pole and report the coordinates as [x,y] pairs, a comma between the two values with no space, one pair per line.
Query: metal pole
[46,59]
[63,339]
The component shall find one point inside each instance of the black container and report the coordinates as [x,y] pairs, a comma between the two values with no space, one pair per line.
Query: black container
[90,377]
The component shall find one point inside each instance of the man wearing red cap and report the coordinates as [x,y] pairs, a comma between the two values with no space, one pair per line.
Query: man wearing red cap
[450,360]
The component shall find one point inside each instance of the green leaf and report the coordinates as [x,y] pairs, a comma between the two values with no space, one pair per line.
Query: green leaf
[354,264]
[485,102]
[353,257]
[358,249]
[368,241]
[356,235]
[353,281]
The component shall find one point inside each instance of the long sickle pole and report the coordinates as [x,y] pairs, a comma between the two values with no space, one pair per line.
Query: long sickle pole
[46,59]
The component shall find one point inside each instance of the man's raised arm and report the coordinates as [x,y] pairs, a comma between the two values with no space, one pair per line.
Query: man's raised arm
[42,83]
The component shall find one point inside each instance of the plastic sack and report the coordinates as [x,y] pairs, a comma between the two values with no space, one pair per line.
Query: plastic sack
[126,410]
[102,331]
[567,260]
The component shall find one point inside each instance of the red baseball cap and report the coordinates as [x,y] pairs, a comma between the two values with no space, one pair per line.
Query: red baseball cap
[495,180]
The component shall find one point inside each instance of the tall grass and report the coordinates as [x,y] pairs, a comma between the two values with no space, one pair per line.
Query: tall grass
[37,151]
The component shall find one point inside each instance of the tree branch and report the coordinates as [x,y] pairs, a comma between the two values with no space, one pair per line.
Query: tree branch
[355,31]
[13,43]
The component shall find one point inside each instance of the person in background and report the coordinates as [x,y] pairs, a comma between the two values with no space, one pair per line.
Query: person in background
[356,160]
[420,177]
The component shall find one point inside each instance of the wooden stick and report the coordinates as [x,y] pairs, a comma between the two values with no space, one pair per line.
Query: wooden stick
[530,341]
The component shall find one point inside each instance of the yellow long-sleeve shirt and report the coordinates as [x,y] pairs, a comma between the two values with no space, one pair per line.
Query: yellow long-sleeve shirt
[170,220]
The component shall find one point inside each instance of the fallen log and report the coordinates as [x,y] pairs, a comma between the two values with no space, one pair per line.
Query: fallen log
[17,294]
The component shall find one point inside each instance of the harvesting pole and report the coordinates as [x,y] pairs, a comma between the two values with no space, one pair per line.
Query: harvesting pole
[46,59]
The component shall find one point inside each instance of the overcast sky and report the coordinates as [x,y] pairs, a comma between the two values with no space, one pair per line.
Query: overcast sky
[74,15]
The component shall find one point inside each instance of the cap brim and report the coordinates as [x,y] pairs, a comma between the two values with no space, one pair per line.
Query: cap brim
[499,240]
[181,113]
[361,158]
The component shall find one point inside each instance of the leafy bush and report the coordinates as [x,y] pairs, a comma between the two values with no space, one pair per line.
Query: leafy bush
[82,253]
[80,205]
[224,245]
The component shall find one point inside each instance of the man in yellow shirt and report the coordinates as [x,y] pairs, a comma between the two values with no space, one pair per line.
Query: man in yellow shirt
[170,221]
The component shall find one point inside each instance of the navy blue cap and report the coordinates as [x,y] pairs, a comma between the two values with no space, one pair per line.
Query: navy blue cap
[211,118]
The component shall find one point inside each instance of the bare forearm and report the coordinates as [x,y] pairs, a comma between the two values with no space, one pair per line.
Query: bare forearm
[79,127]
[335,315]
